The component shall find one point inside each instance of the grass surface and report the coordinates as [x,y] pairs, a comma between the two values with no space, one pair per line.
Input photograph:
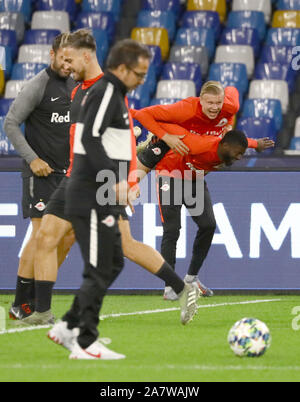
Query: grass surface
[157,346]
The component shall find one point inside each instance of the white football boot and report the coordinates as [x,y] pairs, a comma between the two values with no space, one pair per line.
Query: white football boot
[96,351]
[61,335]
[188,302]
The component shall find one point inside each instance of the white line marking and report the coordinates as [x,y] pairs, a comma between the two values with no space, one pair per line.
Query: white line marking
[116,315]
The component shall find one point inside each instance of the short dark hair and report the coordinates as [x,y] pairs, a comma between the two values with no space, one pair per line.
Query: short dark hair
[235,137]
[82,38]
[128,52]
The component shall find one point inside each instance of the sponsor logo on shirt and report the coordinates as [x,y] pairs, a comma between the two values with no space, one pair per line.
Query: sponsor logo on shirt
[57,118]
[40,206]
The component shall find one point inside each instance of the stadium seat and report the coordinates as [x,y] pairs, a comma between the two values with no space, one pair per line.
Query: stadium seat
[191,54]
[236,54]
[277,54]
[264,6]
[141,95]
[26,71]
[183,71]
[51,20]
[17,6]
[241,36]
[104,21]
[180,89]
[12,88]
[150,80]
[197,37]
[157,19]
[286,19]
[2,81]
[14,22]
[270,89]
[101,38]
[57,5]
[8,37]
[248,19]
[295,144]
[34,54]
[100,6]
[297,128]
[40,36]
[288,5]
[276,71]
[258,127]
[202,19]
[213,5]
[6,147]
[236,73]
[5,105]
[283,37]
[153,36]
[270,108]
[163,101]
[162,5]
[6,60]
[156,59]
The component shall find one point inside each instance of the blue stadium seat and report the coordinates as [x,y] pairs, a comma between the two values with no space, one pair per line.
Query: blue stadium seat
[17,6]
[14,22]
[8,37]
[162,5]
[295,144]
[5,105]
[158,19]
[258,127]
[26,71]
[163,101]
[270,108]
[235,73]
[141,95]
[102,41]
[276,71]
[183,71]
[202,19]
[104,21]
[283,37]
[248,19]
[6,147]
[241,36]
[40,36]
[156,58]
[191,54]
[100,6]
[150,80]
[58,5]
[197,37]
[7,51]
[277,54]
[288,5]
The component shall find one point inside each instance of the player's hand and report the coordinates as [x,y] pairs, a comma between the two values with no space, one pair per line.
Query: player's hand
[40,168]
[264,143]
[121,190]
[175,143]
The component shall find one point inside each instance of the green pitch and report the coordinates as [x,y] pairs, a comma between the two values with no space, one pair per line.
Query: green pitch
[158,348]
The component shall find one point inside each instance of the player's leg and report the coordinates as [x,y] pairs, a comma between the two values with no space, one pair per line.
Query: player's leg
[148,258]
[100,244]
[206,228]
[22,305]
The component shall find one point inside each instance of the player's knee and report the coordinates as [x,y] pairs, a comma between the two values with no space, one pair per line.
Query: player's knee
[46,240]
[69,239]
[172,231]
[209,226]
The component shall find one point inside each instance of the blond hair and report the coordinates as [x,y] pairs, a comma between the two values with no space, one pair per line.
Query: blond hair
[212,88]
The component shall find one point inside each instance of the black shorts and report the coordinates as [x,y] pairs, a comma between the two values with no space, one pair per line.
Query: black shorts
[56,204]
[153,154]
[36,194]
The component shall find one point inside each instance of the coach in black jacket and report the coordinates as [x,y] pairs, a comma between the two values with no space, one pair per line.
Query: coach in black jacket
[103,139]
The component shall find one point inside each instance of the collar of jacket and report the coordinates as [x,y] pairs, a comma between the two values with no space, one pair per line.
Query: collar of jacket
[115,80]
